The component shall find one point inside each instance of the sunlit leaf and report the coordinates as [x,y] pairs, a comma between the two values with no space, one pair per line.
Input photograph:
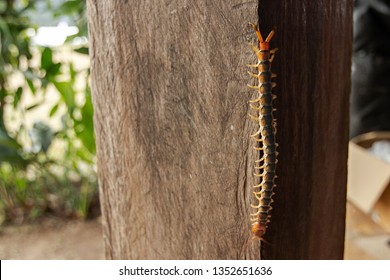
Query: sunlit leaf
[67,94]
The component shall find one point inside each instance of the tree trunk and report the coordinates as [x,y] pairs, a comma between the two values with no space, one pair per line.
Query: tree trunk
[175,159]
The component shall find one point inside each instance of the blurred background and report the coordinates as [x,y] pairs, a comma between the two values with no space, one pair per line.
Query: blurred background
[49,204]
[47,147]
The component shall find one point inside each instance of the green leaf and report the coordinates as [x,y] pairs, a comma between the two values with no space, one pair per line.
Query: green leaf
[87,111]
[86,135]
[21,183]
[53,71]
[69,7]
[53,110]
[9,150]
[30,77]
[33,106]
[3,6]
[82,50]
[47,58]
[3,93]
[18,95]
[67,93]
[87,138]
[72,72]
[6,33]
[30,84]
[11,156]
[8,142]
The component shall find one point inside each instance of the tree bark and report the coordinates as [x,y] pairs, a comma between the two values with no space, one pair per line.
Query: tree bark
[175,159]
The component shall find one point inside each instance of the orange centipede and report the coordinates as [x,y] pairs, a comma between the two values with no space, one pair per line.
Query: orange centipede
[264,137]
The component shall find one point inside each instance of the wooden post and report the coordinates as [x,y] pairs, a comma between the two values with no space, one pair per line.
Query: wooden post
[175,160]
[314,62]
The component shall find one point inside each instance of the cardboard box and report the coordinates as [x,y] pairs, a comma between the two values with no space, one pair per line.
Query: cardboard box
[369,178]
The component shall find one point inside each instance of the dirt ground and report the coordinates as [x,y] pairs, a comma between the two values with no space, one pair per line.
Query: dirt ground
[53,239]
[56,239]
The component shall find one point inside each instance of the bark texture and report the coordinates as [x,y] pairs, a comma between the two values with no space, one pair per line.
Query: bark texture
[175,160]
[172,133]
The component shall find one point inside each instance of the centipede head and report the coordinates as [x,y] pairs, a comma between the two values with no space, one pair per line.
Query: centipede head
[264,46]
[258,231]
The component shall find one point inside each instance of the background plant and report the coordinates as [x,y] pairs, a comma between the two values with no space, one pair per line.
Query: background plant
[44,168]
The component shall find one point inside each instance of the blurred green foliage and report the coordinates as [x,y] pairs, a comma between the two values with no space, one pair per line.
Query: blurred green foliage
[43,169]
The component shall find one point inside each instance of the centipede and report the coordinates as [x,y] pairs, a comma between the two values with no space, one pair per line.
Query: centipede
[265,136]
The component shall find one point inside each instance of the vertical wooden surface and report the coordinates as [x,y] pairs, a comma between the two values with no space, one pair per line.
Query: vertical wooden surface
[170,98]
[314,62]
[174,155]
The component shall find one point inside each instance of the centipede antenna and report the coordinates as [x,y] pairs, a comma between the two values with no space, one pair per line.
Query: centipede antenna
[270,35]
[258,33]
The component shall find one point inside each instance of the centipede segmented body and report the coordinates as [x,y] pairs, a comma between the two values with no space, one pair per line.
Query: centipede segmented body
[265,165]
